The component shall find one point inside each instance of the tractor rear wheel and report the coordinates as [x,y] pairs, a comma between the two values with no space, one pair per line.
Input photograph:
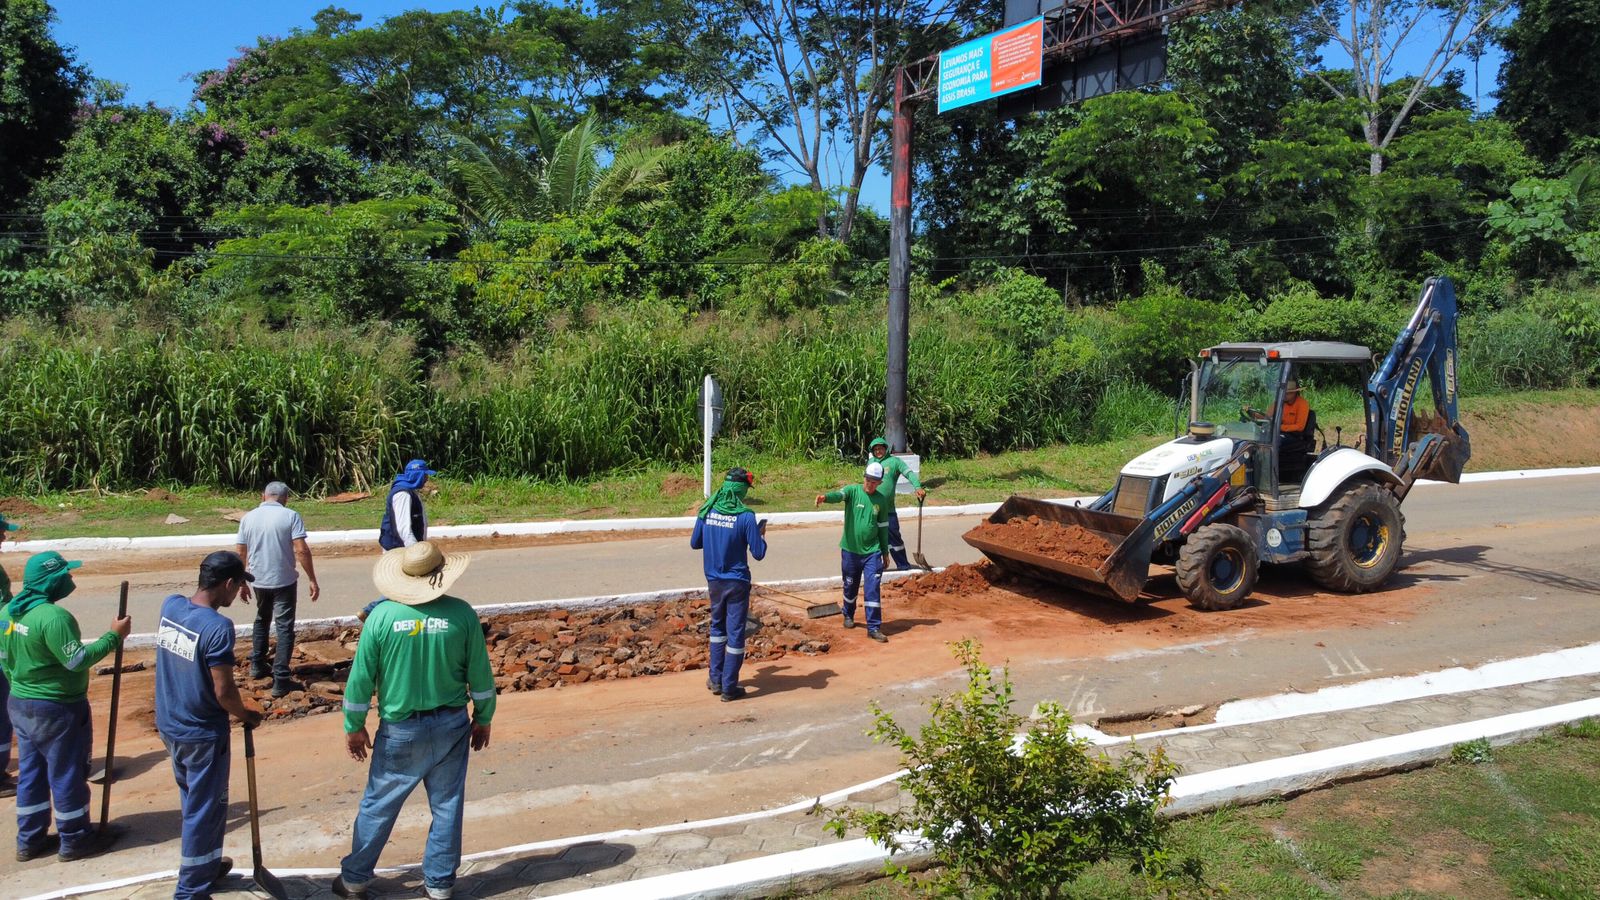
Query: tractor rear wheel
[1355,539]
[1217,567]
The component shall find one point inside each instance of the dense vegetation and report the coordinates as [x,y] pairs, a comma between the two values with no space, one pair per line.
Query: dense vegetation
[513,240]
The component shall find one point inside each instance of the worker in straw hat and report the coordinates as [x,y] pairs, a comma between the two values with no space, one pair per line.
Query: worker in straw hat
[724,530]
[424,653]
[864,548]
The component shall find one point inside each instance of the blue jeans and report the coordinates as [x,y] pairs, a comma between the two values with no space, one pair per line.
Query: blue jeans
[730,608]
[897,544]
[52,764]
[201,770]
[274,604]
[858,568]
[428,749]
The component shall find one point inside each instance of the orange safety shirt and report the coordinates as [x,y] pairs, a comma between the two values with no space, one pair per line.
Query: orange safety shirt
[1296,412]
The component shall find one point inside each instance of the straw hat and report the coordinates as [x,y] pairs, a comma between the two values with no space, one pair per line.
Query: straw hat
[417,574]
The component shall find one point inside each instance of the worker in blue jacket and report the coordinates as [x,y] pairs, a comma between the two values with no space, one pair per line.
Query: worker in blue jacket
[724,530]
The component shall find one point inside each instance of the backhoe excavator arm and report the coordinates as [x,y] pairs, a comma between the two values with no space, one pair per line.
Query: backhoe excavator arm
[1431,444]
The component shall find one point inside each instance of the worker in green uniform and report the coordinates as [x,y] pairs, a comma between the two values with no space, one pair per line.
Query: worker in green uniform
[424,653]
[863,550]
[43,654]
[8,786]
[893,469]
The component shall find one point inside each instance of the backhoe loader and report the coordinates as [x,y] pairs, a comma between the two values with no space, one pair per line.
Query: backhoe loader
[1235,491]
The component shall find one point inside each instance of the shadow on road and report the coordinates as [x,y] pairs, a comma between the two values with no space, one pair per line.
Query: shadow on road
[767,680]
[1474,557]
[126,768]
[900,626]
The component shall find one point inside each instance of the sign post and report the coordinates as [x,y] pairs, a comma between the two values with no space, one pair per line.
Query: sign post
[710,406]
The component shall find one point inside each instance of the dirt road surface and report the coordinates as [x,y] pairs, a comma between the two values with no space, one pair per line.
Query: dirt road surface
[1492,570]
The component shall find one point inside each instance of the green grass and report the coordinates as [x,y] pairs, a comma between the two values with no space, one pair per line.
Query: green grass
[1525,825]
[783,483]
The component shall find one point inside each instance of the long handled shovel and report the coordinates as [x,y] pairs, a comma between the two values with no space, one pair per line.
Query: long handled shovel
[917,557]
[111,726]
[264,879]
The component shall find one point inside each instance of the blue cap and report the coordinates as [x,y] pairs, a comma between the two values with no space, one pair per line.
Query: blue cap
[417,465]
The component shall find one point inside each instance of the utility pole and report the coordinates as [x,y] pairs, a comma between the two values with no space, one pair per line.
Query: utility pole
[899,266]
[1082,43]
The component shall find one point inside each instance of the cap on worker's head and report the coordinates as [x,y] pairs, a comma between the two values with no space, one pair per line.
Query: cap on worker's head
[220,566]
[1292,387]
[418,466]
[875,471]
[741,475]
[46,567]
[8,526]
[878,442]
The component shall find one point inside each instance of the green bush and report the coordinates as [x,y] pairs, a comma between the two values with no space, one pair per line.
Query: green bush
[1515,348]
[1304,316]
[1163,330]
[1023,819]
[1021,307]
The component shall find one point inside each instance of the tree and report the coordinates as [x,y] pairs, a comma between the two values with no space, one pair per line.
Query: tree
[1546,83]
[1372,33]
[816,77]
[1019,818]
[40,89]
[563,177]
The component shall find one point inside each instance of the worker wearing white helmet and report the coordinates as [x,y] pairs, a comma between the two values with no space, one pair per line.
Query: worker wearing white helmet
[864,548]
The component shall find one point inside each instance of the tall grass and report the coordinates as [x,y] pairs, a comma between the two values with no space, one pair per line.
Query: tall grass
[230,408]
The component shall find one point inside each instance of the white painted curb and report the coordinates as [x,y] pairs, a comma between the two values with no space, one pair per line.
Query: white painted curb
[502,529]
[1568,663]
[578,526]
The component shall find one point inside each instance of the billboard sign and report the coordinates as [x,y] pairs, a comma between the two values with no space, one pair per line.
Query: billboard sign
[991,66]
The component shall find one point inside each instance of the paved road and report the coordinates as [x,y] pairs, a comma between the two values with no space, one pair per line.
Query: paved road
[512,575]
[1493,570]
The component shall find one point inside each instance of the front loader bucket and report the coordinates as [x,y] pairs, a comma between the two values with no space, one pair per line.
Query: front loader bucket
[1121,576]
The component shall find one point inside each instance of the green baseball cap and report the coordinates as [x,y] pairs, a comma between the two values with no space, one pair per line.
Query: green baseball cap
[7,526]
[45,567]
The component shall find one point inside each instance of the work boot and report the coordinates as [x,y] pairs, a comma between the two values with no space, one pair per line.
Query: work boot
[735,693]
[99,841]
[358,892]
[712,686]
[260,671]
[849,622]
[444,893]
[43,848]
[284,687]
[8,785]
[224,866]
[877,635]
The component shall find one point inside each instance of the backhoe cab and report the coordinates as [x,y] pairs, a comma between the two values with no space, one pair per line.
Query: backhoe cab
[1237,491]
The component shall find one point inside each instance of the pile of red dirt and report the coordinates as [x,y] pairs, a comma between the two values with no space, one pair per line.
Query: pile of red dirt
[1068,543]
[553,648]
[957,580]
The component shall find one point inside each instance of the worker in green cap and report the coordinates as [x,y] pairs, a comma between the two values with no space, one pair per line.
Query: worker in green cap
[893,468]
[8,785]
[725,531]
[43,654]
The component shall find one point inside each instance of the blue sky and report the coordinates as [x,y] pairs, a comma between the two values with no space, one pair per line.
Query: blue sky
[153,47]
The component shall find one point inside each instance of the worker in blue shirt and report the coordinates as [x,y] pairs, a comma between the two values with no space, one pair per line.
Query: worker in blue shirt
[724,530]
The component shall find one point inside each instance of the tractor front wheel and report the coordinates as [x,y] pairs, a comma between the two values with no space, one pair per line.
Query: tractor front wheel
[1217,567]
[1355,540]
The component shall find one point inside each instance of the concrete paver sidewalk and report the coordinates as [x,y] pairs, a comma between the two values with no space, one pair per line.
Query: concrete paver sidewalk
[615,859]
